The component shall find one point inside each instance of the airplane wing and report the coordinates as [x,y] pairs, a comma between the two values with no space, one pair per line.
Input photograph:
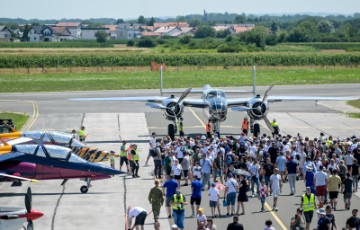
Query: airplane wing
[309,98]
[156,99]
[196,103]
[234,102]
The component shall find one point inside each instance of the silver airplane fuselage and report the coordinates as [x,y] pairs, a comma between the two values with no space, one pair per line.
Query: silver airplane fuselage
[217,103]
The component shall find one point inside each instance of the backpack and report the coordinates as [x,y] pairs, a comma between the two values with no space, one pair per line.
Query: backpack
[229,159]
[242,147]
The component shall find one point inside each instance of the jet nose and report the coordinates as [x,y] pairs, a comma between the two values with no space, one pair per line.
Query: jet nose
[34,214]
[101,169]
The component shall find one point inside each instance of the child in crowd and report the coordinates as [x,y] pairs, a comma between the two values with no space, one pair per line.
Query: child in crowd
[201,216]
[214,197]
[263,194]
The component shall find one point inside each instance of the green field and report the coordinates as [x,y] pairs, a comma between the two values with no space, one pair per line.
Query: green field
[18,119]
[174,79]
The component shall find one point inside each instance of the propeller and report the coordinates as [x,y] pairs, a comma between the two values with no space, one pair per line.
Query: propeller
[28,204]
[264,117]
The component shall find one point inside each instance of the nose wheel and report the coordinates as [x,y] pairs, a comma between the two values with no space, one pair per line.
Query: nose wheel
[85,188]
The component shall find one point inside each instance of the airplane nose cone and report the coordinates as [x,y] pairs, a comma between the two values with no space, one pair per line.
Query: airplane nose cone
[101,169]
[33,215]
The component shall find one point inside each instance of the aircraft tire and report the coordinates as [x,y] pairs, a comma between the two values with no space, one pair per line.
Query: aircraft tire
[84,189]
[171,131]
[256,129]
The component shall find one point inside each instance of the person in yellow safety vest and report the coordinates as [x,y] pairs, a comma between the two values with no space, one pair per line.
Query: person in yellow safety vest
[208,129]
[245,126]
[123,156]
[308,204]
[82,135]
[177,203]
[134,163]
[180,126]
[275,127]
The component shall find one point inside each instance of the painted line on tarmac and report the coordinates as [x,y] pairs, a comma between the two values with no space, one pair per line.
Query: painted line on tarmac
[197,117]
[282,225]
[34,116]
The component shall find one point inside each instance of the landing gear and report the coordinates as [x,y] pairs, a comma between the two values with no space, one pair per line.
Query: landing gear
[85,188]
[252,125]
[216,128]
[256,130]
[16,183]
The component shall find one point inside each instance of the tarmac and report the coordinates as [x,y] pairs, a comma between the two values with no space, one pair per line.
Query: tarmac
[103,207]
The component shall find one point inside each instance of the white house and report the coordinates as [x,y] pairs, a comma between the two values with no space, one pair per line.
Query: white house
[49,34]
[73,27]
[89,33]
[128,31]
[5,32]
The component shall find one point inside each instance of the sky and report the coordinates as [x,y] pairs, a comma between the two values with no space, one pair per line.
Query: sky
[132,9]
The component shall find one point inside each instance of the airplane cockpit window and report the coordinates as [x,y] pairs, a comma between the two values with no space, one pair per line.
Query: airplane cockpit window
[58,151]
[75,159]
[28,149]
[214,93]
[40,152]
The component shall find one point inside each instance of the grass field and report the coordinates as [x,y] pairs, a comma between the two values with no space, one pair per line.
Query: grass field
[18,119]
[174,79]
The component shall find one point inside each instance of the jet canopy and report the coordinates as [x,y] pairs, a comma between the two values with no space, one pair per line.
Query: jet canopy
[50,151]
[215,93]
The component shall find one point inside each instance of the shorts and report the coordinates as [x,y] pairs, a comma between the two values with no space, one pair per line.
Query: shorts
[333,195]
[276,192]
[124,160]
[321,190]
[140,219]
[167,171]
[177,177]
[230,198]
[262,199]
[167,201]
[214,204]
[186,172]
[347,195]
[308,216]
[197,201]
[217,172]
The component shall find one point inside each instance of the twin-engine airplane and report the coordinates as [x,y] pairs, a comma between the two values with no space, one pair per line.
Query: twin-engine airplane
[43,162]
[13,218]
[216,102]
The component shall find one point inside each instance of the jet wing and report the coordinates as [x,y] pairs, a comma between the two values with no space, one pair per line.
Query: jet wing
[196,103]
[309,98]
[156,99]
[235,102]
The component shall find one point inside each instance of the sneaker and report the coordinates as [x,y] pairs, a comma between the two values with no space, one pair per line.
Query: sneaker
[276,209]
[253,195]
[262,210]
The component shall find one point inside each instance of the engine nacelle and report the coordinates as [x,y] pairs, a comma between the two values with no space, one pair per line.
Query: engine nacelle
[173,109]
[258,108]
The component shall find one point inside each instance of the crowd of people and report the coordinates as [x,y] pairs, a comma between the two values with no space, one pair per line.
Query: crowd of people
[228,168]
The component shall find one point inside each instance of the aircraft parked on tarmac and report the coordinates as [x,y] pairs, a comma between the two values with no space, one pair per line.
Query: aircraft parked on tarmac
[217,104]
[57,138]
[44,162]
[13,218]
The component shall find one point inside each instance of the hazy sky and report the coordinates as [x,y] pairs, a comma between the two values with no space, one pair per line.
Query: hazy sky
[84,9]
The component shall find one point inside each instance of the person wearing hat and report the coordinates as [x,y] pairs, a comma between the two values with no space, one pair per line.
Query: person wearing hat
[178,202]
[309,177]
[298,221]
[353,222]
[323,222]
[214,196]
[308,205]
[156,199]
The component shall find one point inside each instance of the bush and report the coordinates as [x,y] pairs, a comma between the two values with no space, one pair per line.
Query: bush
[146,43]
[130,43]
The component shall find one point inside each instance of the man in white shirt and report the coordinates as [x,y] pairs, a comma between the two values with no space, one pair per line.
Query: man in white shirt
[152,147]
[230,193]
[275,187]
[321,182]
[140,216]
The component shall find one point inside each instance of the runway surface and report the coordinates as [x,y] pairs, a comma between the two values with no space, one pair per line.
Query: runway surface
[109,122]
